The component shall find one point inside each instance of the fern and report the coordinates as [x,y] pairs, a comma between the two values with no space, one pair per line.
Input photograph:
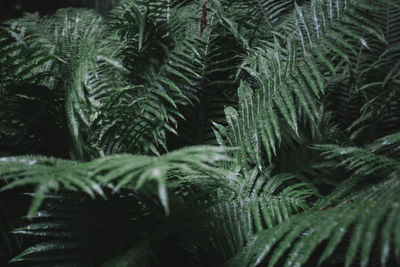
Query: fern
[370,212]
[301,98]
[284,84]
[119,170]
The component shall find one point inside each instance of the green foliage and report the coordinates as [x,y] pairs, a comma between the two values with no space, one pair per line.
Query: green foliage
[113,171]
[292,108]
[370,212]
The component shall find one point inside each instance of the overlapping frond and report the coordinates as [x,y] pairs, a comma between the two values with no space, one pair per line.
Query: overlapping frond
[294,72]
[124,230]
[261,202]
[361,220]
[364,98]
[215,56]
[371,215]
[60,51]
[304,94]
[258,19]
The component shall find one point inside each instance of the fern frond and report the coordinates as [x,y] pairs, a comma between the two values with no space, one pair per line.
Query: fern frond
[371,214]
[118,171]
[240,219]
[294,73]
[303,93]
[369,210]
[363,161]
[261,202]
[216,55]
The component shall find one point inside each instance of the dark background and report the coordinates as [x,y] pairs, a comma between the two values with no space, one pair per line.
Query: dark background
[15,8]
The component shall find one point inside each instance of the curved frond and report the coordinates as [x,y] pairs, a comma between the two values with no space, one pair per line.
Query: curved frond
[117,171]
[370,214]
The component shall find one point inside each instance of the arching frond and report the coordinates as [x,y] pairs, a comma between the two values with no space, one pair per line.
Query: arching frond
[302,97]
[118,171]
[294,72]
[370,213]
[261,202]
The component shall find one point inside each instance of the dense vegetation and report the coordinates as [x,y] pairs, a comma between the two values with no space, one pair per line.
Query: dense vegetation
[15,8]
[202,133]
